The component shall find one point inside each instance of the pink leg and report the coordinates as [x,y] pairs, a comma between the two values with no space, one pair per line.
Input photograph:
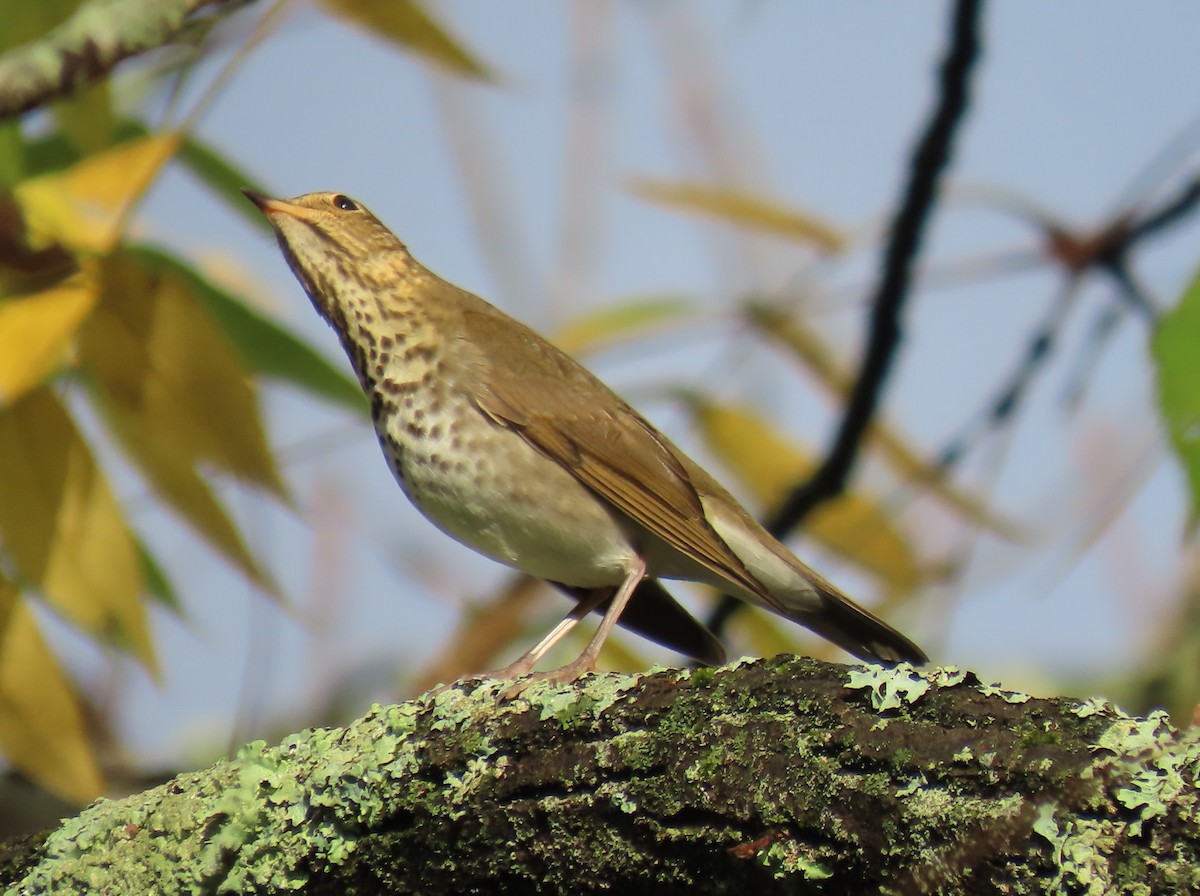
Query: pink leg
[586,661]
[527,661]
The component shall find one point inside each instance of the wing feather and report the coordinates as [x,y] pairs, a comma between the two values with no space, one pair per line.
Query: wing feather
[570,416]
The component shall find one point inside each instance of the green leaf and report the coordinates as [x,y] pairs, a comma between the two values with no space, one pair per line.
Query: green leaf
[86,117]
[1176,349]
[174,391]
[265,347]
[25,22]
[155,580]
[12,153]
[407,23]
[224,179]
[84,206]
[55,152]
[157,352]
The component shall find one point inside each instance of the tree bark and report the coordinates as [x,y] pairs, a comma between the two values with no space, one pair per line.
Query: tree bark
[87,46]
[775,776]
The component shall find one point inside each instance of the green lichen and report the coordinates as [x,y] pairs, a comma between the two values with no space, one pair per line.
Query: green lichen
[668,765]
[1094,706]
[948,676]
[963,755]
[994,690]
[1033,736]
[1163,766]
[785,858]
[257,821]
[890,688]
[1082,850]
[1156,769]
[572,705]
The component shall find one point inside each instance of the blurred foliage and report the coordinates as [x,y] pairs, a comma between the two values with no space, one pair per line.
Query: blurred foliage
[1170,679]
[94,323]
[621,321]
[151,349]
[412,28]
[1177,354]
[739,209]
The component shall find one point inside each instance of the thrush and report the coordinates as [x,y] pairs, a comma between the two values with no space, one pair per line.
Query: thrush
[513,448]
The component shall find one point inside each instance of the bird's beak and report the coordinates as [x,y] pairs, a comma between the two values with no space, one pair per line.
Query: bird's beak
[271,207]
[261,201]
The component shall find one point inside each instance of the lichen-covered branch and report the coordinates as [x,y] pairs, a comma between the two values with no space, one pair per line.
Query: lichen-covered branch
[100,34]
[777,776]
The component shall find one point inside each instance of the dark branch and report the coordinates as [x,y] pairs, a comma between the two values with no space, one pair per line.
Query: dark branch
[1107,251]
[1166,214]
[932,154]
[929,160]
[1002,408]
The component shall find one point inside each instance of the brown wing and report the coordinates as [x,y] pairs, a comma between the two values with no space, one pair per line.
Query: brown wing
[569,415]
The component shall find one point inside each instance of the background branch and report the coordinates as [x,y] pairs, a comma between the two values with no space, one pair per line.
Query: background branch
[87,46]
[904,241]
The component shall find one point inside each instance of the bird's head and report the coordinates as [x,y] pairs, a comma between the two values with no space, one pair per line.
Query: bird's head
[336,248]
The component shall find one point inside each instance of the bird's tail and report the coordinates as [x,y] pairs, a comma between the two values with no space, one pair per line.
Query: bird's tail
[859,631]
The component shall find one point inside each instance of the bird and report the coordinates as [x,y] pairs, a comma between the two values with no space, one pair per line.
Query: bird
[513,448]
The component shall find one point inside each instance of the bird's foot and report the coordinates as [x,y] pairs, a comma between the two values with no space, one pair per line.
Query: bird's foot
[572,671]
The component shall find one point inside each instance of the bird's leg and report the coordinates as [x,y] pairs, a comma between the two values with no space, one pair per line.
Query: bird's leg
[521,666]
[586,661]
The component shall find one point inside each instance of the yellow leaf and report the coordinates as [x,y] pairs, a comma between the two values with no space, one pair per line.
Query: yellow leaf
[853,526]
[591,332]
[744,210]
[84,206]
[407,23]
[805,344]
[63,530]
[160,356]
[175,393]
[35,331]
[810,348]
[42,729]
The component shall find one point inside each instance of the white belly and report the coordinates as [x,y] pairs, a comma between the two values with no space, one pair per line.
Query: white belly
[512,504]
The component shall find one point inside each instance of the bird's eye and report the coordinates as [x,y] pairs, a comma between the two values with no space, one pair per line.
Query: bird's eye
[345,203]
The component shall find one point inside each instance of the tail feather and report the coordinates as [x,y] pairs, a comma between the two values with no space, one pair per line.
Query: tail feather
[860,632]
[791,589]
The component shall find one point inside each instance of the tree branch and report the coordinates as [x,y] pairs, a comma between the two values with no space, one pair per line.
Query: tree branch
[930,157]
[774,776]
[88,45]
